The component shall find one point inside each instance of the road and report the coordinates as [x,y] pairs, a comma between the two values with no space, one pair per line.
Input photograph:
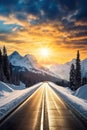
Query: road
[44,110]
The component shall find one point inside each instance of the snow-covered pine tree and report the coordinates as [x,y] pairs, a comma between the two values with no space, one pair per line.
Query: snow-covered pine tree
[78,71]
[6,65]
[72,77]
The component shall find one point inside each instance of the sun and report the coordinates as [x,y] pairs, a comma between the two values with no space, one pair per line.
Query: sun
[44,52]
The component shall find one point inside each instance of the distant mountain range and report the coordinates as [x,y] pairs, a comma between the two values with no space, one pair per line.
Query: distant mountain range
[63,70]
[28,65]
[29,70]
[28,62]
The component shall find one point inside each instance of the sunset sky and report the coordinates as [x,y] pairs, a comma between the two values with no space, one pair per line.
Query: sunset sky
[59,26]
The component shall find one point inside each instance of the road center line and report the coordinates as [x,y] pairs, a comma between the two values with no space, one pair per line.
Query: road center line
[42,114]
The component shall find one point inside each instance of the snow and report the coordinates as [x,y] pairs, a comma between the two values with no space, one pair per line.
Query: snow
[82,92]
[28,61]
[77,100]
[5,89]
[63,70]
[17,87]
[11,96]
[84,68]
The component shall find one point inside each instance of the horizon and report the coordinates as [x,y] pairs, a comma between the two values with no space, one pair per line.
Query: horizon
[45,65]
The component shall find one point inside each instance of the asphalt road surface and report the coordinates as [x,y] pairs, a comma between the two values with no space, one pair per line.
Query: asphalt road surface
[44,110]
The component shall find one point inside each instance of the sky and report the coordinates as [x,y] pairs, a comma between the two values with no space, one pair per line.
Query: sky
[59,26]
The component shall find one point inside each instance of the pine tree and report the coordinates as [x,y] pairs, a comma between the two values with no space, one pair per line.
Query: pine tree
[2,76]
[78,71]
[72,77]
[11,72]
[1,69]
[6,65]
[0,58]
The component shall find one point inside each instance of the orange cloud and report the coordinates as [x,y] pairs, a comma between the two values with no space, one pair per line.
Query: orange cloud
[30,38]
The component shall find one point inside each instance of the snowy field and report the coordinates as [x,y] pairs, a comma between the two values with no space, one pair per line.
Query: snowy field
[77,99]
[11,96]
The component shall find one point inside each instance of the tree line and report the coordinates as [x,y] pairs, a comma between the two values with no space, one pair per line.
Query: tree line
[5,66]
[7,74]
[76,80]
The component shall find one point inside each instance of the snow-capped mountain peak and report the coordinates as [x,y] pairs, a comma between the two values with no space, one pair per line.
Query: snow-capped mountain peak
[31,59]
[15,55]
[28,61]
[73,61]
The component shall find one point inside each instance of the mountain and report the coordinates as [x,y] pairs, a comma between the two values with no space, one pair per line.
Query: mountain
[28,61]
[84,67]
[63,70]
[28,67]
[29,70]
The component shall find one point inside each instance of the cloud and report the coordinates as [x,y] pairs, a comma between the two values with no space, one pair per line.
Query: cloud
[44,9]
[82,15]
[60,22]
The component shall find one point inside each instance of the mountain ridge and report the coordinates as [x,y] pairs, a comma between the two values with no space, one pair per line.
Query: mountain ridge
[63,70]
[28,62]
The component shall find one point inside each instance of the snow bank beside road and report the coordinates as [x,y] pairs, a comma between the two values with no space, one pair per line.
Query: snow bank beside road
[76,100]
[17,87]
[82,92]
[11,99]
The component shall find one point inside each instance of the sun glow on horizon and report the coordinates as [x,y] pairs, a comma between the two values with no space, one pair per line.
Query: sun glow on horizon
[45,52]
